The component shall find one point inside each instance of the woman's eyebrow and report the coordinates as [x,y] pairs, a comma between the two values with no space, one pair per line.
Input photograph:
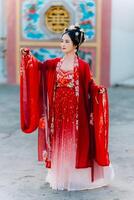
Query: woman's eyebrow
[66,40]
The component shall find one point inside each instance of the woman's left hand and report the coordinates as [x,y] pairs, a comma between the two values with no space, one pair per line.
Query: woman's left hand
[102,90]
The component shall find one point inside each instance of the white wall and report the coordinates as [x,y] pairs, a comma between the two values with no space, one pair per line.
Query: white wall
[122,41]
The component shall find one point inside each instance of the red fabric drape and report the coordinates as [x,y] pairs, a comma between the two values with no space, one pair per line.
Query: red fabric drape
[92,143]
[29,93]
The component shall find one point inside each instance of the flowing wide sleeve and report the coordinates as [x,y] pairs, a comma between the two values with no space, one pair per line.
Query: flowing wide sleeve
[100,126]
[29,93]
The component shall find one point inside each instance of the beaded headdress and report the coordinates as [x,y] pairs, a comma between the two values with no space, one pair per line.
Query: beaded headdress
[78,31]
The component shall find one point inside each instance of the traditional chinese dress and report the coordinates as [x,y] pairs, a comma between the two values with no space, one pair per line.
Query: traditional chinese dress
[73,160]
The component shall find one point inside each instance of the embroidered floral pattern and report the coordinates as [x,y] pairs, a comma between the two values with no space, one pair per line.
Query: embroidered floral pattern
[67,79]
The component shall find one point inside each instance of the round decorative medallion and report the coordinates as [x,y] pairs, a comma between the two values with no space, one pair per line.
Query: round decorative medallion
[57,18]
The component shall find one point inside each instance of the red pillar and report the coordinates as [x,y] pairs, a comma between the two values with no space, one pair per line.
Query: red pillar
[11,41]
[105,42]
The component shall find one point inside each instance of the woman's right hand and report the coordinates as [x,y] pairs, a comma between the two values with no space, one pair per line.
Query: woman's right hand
[24,51]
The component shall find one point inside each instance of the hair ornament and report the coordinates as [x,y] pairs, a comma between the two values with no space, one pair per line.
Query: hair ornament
[82,30]
[65,29]
[81,38]
[77,24]
[71,27]
[86,38]
[77,33]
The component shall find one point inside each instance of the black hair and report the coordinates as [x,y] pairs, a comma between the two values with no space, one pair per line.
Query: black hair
[76,34]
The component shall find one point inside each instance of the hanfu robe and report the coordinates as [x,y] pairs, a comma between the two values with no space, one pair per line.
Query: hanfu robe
[37,103]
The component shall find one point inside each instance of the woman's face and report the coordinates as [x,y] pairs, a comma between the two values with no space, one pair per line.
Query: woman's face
[66,44]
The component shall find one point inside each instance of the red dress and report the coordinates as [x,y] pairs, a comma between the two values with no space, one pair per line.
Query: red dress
[71,168]
[63,174]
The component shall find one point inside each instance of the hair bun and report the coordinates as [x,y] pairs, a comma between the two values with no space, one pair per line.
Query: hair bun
[75,27]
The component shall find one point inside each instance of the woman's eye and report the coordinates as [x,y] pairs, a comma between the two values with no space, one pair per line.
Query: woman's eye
[66,41]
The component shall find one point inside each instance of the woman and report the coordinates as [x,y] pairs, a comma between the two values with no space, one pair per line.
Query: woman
[61,99]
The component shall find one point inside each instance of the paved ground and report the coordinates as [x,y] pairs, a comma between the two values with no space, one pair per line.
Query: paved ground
[22,177]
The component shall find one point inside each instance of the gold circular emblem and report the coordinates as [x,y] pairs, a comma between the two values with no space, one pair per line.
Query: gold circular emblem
[57,18]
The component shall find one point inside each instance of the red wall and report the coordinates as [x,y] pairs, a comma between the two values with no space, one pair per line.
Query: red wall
[106,42]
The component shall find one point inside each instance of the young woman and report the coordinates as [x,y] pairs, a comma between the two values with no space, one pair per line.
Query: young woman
[61,99]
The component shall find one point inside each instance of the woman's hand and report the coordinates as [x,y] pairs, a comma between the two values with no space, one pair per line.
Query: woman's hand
[24,51]
[102,90]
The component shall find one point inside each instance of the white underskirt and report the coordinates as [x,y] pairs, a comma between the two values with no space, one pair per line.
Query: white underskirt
[79,179]
[64,176]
